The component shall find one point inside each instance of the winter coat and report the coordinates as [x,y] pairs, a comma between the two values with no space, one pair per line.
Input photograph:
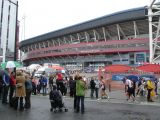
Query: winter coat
[20,86]
[80,88]
[92,84]
[28,84]
[6,79]
[43,80]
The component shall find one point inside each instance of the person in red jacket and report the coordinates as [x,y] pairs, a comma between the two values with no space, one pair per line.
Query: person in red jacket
[12,86]
[59,81]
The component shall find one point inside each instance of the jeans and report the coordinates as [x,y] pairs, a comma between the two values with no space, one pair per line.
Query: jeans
[149,95]
[11,92]
[60,86]
[92,92]
[75,102]
[1,89]
[96,92]
[21,103]
[44,88]
[80,99]
[5,94]
[27,98]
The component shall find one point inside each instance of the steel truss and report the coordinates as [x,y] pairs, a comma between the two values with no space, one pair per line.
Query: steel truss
[154,31]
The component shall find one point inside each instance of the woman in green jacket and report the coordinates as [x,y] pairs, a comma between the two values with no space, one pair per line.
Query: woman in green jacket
[80,93]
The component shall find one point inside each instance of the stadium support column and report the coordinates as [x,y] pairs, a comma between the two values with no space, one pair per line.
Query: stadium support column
[150,35]
[150,13]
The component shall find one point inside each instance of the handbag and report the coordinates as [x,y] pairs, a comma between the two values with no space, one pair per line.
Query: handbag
[18,85]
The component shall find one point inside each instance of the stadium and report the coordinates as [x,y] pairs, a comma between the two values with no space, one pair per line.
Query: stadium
[118,38]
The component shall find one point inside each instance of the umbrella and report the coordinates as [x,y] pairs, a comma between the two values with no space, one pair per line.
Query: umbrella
[11,64]
[148,77]
[34,66]
[133,78]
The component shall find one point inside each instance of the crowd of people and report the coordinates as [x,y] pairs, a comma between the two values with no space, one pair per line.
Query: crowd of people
[16,88]
[145,87]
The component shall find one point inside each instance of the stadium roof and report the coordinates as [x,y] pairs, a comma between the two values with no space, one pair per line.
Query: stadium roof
[118,17]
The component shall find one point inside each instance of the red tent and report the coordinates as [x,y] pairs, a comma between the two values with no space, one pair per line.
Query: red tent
[150,68]
[117,68]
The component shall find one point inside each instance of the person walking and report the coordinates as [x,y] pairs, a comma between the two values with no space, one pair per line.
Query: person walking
[150,88]
[80,93]
[20,90]
[104,95]
[141,87]
[130,89]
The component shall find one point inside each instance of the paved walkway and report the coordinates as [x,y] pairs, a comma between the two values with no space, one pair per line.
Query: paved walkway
[118,96]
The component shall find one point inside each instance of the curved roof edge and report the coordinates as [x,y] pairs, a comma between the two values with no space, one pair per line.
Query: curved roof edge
[122,16]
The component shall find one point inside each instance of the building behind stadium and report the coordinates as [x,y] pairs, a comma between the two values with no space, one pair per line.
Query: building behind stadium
[8,30]
[118,38]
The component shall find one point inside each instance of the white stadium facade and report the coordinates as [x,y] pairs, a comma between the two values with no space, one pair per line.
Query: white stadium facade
[118,38]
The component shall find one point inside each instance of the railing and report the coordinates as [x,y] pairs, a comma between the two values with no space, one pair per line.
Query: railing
[92,48]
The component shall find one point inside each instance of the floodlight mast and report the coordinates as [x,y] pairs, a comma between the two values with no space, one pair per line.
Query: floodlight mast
[154,44]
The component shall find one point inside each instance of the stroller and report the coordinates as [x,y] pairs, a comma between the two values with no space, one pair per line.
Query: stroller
[56,100]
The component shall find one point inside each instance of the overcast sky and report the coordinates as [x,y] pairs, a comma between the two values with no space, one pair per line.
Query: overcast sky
[43,16]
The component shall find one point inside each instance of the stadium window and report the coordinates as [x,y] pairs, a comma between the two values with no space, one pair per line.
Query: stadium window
[131,45]
[124,59]
[116,60]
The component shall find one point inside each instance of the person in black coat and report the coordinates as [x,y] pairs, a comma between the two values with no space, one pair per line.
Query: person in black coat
[92,87]
[74,92]
[71,86]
